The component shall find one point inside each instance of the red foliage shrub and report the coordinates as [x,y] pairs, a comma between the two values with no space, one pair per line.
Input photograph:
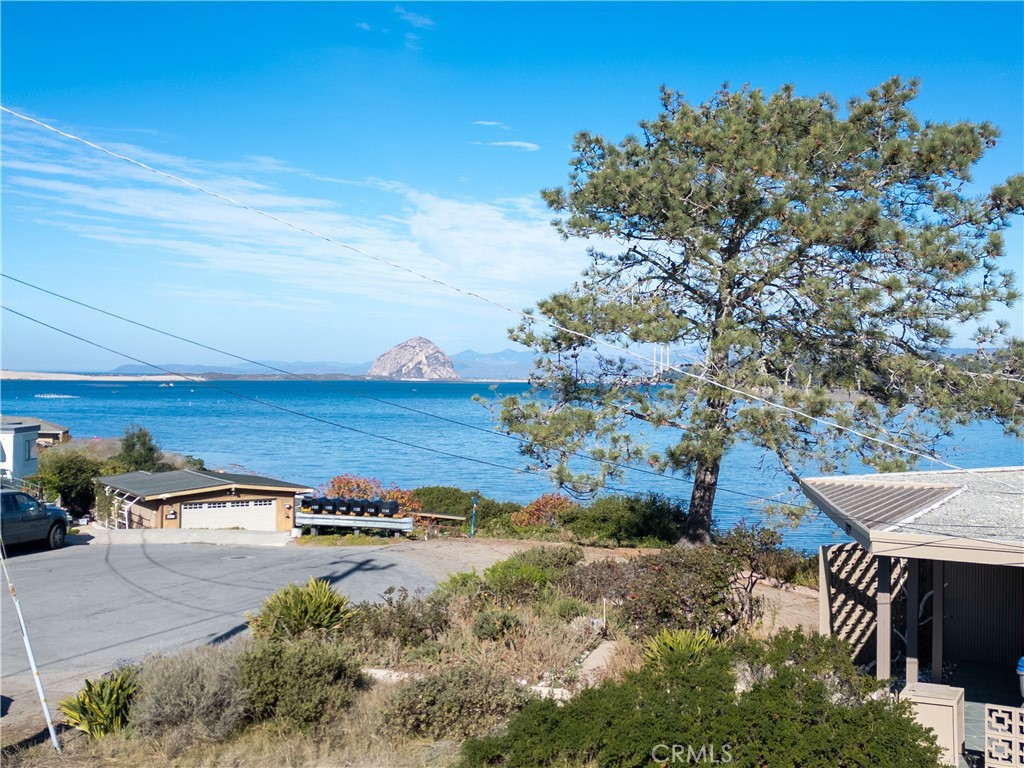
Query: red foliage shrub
[350,486]
[542,511]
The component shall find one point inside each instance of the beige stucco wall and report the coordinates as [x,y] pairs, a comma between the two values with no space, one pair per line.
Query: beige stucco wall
[157,513]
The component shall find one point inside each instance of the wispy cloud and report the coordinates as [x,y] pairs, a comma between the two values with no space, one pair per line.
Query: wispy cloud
[363,26]
[503,249]
[415,19]
[527,146]
[491,124]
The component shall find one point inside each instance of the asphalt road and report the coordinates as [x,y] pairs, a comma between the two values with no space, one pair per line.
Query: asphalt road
[94,604]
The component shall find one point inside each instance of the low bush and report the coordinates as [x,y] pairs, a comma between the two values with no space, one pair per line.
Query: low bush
[495,625]
[525,575]
[103,705]
[410,619]
[453,703]
[351,486]
[300,681]
[641,520]
[193,696]
[297,609]
[789,716]
[544,511]
[677,588]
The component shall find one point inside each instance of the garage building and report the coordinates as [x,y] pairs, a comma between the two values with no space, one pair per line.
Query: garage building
[188,498]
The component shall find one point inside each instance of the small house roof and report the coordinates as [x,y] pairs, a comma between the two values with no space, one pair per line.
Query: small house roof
[148,485]
[45,427]
[964,515]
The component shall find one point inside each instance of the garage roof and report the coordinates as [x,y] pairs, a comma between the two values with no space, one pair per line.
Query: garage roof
[148,485]
[961,512]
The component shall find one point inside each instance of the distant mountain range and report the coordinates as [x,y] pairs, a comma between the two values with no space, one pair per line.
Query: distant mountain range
[509,364]
[496,366]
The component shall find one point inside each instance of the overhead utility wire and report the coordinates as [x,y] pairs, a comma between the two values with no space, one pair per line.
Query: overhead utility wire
[301,377]
[300,414]
[291,411]
[525,315]
[257,400]
[285,409]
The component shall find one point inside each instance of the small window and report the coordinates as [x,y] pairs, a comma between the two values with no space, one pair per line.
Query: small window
[28,450]
[263,502]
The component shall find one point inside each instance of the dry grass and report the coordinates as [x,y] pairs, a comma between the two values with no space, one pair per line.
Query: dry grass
[353,740]
[543,649]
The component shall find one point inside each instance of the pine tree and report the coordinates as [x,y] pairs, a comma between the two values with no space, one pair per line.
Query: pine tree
[799,252]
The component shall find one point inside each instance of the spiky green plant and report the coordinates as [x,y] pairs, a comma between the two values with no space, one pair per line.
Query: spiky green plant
[680,646]
[101,707]
[313,607]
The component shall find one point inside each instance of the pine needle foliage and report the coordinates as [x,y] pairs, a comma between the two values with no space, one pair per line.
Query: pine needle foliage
[819,258]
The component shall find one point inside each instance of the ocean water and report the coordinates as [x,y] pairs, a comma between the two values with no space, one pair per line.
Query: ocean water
[408,433]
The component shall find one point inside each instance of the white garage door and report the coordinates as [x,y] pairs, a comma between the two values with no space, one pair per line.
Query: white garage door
[252,515]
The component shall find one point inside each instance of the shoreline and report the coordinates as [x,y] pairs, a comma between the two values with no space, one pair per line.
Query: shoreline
[6,375]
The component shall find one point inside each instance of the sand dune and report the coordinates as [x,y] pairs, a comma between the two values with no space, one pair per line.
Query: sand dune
[39,376]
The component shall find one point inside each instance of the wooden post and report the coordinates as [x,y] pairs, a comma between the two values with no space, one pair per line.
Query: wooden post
[883,620]
[824,592]
[938,623]
[913,606]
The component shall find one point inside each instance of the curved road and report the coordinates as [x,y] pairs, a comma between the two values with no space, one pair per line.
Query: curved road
[114,596]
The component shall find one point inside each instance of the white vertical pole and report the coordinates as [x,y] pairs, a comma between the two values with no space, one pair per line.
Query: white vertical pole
[31,657]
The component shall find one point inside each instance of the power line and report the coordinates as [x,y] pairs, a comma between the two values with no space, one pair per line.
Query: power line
[525,315]
[517,470]
[301,377]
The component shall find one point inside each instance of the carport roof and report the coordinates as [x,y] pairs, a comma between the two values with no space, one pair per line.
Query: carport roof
[148,485]
[956,515]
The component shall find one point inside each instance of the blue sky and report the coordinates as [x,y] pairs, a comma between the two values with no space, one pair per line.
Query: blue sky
[420,133]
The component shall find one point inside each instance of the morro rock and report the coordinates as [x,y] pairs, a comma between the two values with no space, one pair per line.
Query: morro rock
[417,358]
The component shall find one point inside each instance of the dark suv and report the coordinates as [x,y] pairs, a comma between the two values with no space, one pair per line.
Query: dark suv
[23,519]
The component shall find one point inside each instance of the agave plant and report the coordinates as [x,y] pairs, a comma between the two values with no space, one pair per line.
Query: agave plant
[101,707]
[682,646]
[297,609]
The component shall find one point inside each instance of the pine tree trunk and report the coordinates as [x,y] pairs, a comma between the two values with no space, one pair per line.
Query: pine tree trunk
[702,500]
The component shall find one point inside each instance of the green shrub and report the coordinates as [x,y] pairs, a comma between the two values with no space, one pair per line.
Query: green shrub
[300,681]
[410,619]
[677,588]
[788,715]
[193,696]
[495,625]
[103,705]
[525,575]
[568,608]
[297,609]
[462,584]
[445,500]
[453,703]
[646,519]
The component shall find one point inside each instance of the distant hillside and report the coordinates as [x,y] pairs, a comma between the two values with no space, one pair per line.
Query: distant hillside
[496,366]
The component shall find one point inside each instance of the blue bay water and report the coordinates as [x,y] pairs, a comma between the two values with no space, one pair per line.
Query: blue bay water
[408,433]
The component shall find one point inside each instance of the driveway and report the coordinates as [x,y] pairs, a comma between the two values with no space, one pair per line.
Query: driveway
[120,595]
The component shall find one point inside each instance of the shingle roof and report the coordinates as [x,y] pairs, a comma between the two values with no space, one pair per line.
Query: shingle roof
[149,484]
[976,504]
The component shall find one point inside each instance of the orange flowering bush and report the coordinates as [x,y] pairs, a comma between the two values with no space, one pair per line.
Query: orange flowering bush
[542,511]
[350,486]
